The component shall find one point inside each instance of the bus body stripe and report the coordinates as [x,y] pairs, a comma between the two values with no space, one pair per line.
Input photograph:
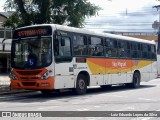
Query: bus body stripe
[104,66]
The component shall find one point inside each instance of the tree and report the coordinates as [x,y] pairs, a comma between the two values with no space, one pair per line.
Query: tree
[69,12]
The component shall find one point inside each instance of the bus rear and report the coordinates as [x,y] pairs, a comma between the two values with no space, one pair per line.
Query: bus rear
[31,58]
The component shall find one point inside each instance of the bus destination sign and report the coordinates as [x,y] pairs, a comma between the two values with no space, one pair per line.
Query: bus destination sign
[32,31]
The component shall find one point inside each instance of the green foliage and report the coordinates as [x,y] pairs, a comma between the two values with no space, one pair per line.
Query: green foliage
[70,12]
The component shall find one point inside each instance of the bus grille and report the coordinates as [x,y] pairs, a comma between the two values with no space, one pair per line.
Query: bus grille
[35,72]
[28,83]
[29,78]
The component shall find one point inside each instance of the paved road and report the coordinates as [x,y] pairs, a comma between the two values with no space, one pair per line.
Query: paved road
[118,98]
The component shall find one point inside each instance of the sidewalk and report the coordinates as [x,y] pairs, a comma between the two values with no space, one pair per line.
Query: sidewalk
[5,86]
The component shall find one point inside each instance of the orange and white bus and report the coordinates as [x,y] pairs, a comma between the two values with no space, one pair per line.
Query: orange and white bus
[52,57]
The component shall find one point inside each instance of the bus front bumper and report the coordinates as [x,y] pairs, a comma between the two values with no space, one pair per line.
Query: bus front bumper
[47,84]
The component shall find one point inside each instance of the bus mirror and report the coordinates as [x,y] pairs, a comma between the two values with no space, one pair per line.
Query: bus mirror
[62,42]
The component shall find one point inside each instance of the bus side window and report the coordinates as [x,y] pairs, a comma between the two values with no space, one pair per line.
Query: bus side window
[107,48]
[122,49]
[149,52]
[153,52]
[96,47]
[80,45]
[128,52]
[114,46]
[144,51]
[134,51]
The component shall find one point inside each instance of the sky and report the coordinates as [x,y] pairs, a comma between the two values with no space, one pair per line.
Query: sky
[121,15]
[124,15]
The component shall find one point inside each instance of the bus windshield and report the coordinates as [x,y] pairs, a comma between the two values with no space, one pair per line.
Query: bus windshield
[31,53]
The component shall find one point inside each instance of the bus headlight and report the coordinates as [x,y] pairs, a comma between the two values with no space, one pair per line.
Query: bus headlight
[13,76]
[45,75]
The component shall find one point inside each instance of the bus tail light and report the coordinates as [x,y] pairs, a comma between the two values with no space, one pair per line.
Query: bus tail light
[13,76]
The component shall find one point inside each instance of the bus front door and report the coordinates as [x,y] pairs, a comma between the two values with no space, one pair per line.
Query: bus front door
[64,74]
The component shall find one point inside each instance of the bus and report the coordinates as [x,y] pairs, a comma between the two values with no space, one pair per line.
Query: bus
[50,57]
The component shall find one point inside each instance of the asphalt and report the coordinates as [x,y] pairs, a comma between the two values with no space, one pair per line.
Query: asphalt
[5,86]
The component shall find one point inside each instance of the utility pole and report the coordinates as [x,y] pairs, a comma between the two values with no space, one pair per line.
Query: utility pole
[158,47]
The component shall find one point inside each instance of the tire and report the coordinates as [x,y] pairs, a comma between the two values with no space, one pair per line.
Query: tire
[46,92]
[136,81]
[81,85]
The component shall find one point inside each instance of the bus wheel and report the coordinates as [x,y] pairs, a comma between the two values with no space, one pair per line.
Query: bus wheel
[136,81]
[81,85]
[46,92]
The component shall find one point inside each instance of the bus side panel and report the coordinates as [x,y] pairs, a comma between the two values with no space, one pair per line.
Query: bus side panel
[64,77]
[130,71]
[95,69]
[154,71]
[144,66]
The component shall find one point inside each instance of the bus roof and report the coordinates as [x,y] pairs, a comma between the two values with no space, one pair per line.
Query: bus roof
[89,32]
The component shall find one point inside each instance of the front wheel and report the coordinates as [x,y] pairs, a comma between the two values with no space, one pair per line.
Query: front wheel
[81,85]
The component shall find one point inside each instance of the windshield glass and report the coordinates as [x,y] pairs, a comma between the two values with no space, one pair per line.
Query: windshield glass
[31,53]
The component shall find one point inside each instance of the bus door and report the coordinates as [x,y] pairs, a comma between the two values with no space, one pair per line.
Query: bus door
[64,76]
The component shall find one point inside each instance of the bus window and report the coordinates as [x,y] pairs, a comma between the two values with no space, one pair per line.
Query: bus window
[62,50]
[134,50]
[144,51]
[153,52]
[114,46]
[128,52]
[123,49]
[96,47]
[111,48]
[32,53]
[79,45]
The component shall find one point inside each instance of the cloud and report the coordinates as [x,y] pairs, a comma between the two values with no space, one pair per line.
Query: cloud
[135,15]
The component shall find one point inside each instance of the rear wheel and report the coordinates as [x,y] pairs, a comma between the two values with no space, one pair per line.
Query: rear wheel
[81,85]
[136,81]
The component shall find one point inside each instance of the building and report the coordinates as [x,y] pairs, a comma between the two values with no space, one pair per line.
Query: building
[5,44]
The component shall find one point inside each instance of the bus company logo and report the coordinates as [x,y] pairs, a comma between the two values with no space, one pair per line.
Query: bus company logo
[119,64]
